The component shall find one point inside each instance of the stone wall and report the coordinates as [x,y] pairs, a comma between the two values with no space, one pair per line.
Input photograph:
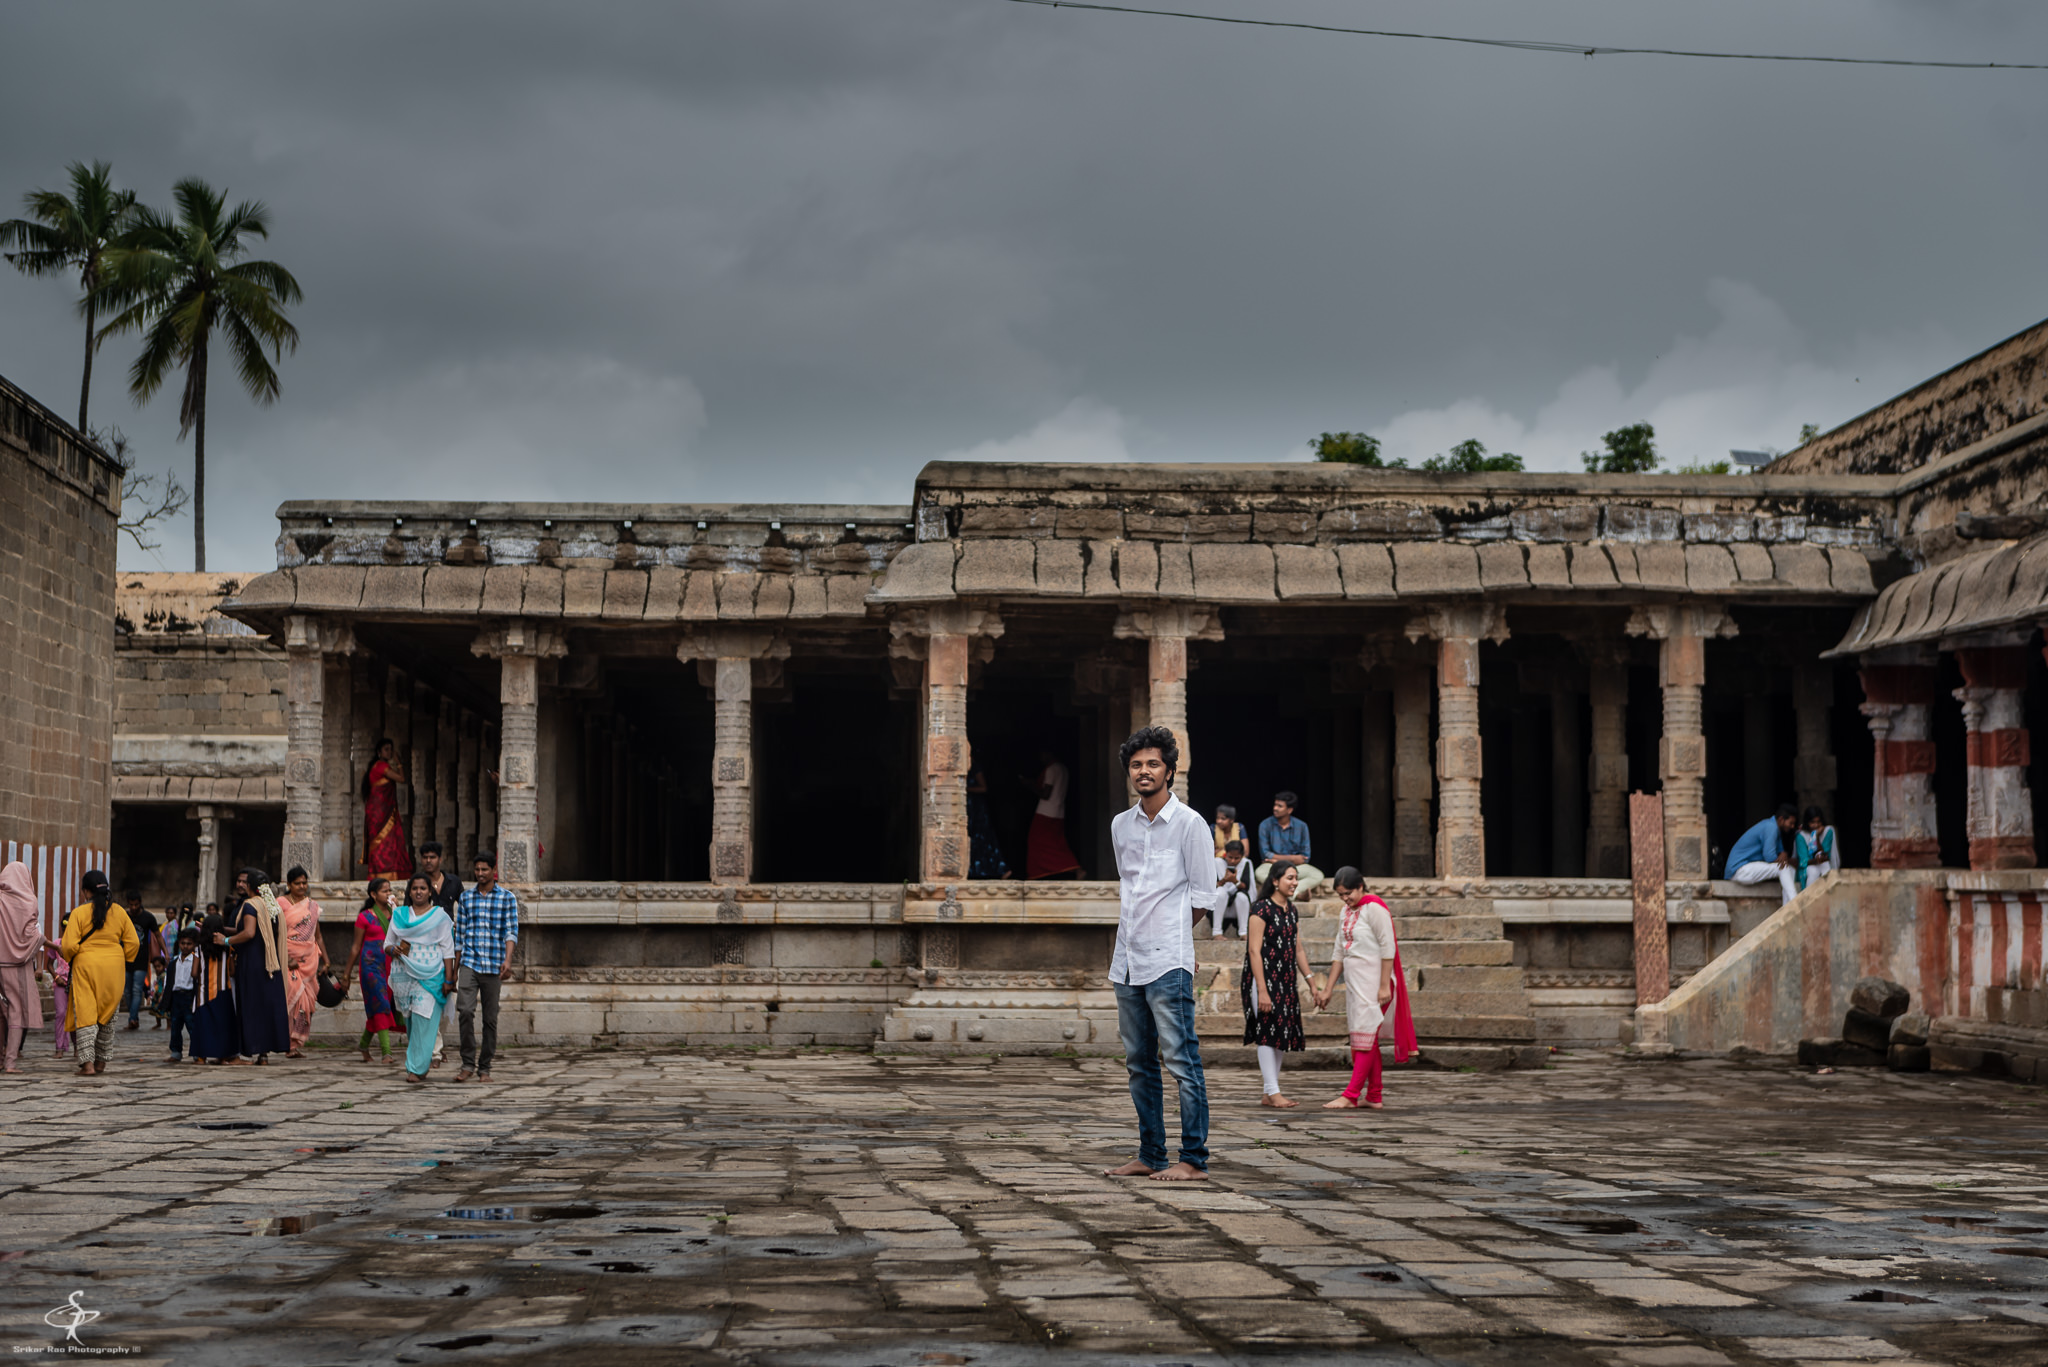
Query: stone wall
[1790,978]
[60,503]
[183,669]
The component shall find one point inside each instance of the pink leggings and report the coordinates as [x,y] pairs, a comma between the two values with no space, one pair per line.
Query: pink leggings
[1365,1072]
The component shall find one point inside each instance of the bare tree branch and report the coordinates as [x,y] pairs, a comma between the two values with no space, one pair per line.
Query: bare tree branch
[146,500]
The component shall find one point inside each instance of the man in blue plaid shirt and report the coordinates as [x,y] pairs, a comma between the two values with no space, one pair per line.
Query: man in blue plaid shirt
[486,929]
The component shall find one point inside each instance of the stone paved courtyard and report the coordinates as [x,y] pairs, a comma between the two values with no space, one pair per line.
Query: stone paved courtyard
[847,1210]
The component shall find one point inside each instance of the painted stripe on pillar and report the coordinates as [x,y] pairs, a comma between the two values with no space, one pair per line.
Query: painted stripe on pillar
[2030,941]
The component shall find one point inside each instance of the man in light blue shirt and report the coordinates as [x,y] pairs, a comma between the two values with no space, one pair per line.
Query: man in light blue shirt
[1763,853]
[1283,840]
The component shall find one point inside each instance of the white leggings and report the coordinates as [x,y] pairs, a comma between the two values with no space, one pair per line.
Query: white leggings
[1269,1068]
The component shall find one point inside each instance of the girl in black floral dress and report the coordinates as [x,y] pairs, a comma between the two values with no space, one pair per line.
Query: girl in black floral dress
[1273,957]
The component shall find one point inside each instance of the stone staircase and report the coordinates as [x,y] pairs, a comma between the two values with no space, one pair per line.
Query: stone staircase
[1471,1008]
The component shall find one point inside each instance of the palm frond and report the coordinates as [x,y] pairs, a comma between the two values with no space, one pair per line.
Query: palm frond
[256,373]
[273,277]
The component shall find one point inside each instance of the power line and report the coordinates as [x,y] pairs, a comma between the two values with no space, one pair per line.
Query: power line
[1535,45]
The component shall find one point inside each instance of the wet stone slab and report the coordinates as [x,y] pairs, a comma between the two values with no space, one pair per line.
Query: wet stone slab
[622,1208]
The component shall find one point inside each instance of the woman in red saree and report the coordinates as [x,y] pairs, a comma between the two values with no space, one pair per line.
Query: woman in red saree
[385,848]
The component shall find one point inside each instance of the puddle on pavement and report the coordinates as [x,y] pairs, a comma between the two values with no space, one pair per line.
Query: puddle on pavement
[525,1213]
[278,1225]
[1889,1297]
[793,1252]
[647,1229]
[2022,1252]
[233,1125]
[1958,1221]
[1614,1226]
[328,1148]
[622,1267]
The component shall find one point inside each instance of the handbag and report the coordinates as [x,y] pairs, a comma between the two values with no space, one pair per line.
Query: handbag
[330,992]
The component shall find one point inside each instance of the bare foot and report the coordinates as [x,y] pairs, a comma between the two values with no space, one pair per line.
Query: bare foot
[1134,1168]
[1181,1172]
[1279,1102]
[1342,1103]
[1374,1105]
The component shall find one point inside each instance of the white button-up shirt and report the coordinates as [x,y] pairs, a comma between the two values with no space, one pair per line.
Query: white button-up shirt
[1165,869]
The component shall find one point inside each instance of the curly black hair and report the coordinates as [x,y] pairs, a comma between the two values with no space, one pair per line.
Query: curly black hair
[1151,738]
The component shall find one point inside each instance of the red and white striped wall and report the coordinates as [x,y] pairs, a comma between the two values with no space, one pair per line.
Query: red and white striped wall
[55,871]
[1994,944]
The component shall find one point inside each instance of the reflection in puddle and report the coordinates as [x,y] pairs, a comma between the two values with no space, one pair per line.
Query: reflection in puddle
[1613,1226]
[2022,1252]
[290,1224]
[1889,1297]
[522,1213]
[234,1125]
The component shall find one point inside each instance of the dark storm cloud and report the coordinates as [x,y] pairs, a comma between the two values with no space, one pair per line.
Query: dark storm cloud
[788,249]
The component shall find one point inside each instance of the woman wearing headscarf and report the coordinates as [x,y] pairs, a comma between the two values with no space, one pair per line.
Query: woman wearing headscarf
[259,972]
[99,941]
[420,949]
[305,955]
[21,961]
[366,954]
[384,843]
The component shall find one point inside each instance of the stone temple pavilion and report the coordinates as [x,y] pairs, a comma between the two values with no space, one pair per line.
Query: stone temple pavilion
[724,752]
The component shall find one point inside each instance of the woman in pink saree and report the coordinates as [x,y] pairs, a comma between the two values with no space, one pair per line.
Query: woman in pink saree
[385,848]
[305,955]
[21,961]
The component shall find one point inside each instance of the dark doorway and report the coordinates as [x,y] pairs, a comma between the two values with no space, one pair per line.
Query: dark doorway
[1263,727]
[835,780]
[1011,714]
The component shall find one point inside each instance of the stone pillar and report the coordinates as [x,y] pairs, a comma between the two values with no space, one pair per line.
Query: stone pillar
[1607,817]
[2001,814]
[1166,629]
[1682,631]
[1460,828]
[949,635]
[519,647]
[337,738]
[727,656]
[307,642]
[207,885]
[1414,778]
[467,793]
[1813,760]
[1899,692]
[1567,788]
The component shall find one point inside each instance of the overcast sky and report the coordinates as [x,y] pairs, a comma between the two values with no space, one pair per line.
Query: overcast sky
[794,249]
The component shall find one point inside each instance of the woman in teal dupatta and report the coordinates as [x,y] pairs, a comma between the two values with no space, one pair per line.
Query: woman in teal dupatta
[419,947]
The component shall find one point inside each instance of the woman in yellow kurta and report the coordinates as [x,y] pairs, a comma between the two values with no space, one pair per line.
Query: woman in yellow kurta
[99,940]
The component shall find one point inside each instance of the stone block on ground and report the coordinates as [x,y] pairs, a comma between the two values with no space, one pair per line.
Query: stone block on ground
[1910,1028]
[1834,1053]
[1880,997]
[1909,1058]
[1865,1030]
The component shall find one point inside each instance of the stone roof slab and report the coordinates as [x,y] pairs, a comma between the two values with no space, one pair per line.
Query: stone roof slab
[1591,569]
[700,596]
[504,590]
[996,567]
[1661,565]
[1753,563]
[1059,567]
[543,592]
[1709,569]
[1803,567]
[582,592]
[1503,566]
[665,593]
[1307,572]
[328,588]
[807,596]
[1098,568]
[1137,568]
[1367,568]
[276,589]
[736,595]
[1233,574]
[846,595]
[1426,567]
[394,588]
[1849,571]
[1176,572]
[921,573]
[773,596]
[454,589]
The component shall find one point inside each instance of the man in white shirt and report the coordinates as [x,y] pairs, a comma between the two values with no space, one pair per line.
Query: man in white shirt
[1165,865]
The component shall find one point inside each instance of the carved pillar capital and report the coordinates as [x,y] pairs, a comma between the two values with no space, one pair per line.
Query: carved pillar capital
[516,637]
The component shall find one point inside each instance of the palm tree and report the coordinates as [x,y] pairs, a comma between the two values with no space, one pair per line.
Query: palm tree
[62,234]
[177,280]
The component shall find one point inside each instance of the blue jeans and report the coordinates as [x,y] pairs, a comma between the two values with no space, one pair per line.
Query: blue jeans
[1157,1021]
[137,995]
